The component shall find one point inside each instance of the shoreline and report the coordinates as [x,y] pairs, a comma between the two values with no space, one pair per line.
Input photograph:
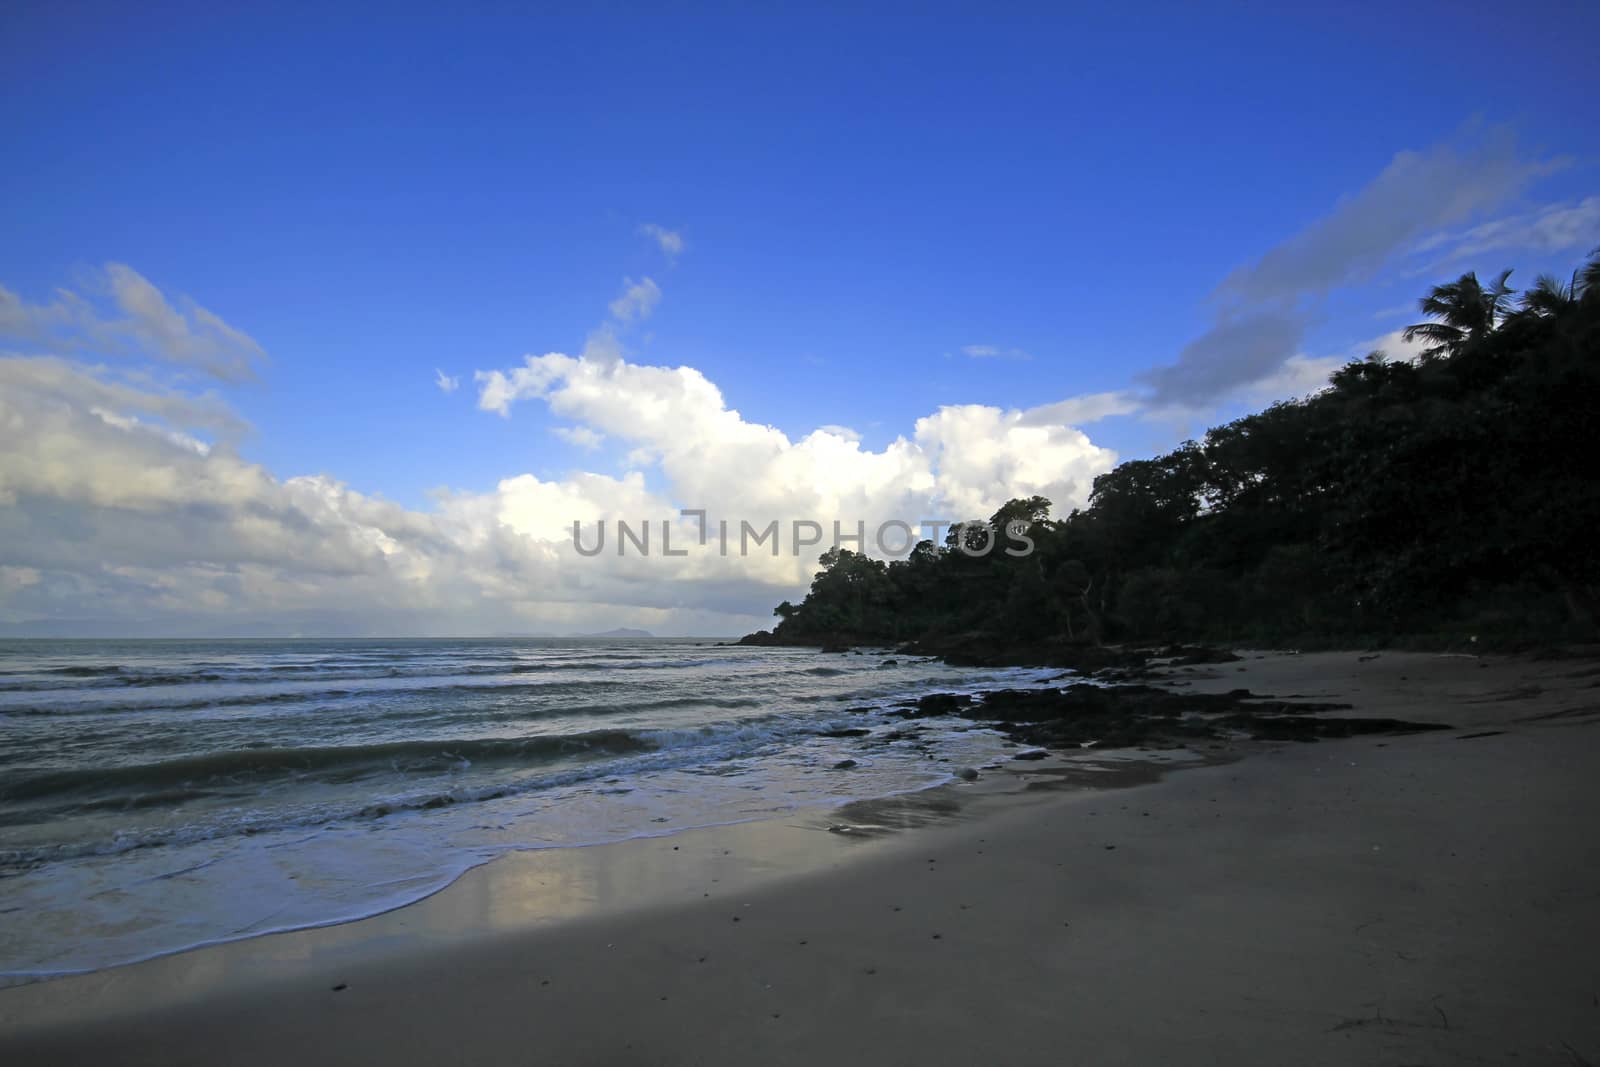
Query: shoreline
[1182,914]
[415,815]
[526,890]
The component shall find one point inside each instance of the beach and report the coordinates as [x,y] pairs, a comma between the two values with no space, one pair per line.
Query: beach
[1424,898]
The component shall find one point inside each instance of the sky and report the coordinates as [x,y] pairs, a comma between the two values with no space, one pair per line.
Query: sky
[323,320]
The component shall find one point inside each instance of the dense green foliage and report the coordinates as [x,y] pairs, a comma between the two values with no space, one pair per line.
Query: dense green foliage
[1456,495]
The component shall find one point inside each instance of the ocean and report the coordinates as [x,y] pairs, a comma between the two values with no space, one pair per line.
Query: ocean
[158,795]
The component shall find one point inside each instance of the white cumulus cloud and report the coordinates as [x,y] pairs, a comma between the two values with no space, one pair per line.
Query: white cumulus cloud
[127,506]
[964,459]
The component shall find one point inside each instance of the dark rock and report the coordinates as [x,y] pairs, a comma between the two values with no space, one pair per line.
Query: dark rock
[942,704]
[844,765]
[1306,728]
[988,650]
[1126,716]
[852,731]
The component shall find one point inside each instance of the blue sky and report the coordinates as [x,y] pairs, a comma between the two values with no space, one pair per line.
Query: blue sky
[862,198]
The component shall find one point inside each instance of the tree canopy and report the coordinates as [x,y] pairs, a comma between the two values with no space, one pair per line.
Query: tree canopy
[1457,493]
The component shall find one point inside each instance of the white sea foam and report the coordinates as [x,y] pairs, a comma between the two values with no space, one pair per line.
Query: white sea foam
[154,830]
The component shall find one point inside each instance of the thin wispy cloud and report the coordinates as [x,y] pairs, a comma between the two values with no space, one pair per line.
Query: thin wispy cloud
[1238,349]
[1560,227]
[638,300]
[1262,309]
[1395,311]
[993,352]
[669,241]
[121,313]
[445,382]
[1415,194]
[1302,375]
[582,436]
[1083,410]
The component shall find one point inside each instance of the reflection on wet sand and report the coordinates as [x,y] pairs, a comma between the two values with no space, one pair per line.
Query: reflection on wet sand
[525,890]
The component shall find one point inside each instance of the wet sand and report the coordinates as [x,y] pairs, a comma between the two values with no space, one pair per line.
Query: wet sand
[1432,898]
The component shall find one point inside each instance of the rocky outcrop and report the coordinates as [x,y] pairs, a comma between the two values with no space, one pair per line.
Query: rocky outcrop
[1130,715]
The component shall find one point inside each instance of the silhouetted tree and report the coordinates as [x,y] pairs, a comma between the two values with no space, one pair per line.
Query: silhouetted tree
[1461,490]
[1465,310]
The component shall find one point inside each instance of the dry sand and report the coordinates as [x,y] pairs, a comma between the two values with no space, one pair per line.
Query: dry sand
[1426,899]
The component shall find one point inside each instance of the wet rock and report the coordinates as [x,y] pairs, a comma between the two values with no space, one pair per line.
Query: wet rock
[844,765]
[942,704]
[988,650]
[1128,716]
[1306,728]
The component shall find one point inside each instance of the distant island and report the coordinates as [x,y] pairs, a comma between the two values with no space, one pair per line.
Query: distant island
[1446,502]
[621,631]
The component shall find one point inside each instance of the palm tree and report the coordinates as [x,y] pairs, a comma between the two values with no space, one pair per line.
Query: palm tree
[1587,287]
[1550,297]
[1466,312]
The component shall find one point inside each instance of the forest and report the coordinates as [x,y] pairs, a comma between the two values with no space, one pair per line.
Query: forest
[1449,500]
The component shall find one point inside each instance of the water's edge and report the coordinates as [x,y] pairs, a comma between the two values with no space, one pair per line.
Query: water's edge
[522,890]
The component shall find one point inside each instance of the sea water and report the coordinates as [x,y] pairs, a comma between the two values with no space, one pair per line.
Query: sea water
[157,795]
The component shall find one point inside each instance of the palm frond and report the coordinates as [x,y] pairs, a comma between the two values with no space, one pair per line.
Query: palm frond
[1588,286]
[1549,297]
[1435,332]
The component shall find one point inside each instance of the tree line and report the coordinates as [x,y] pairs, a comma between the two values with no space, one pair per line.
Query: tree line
[1454,495]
